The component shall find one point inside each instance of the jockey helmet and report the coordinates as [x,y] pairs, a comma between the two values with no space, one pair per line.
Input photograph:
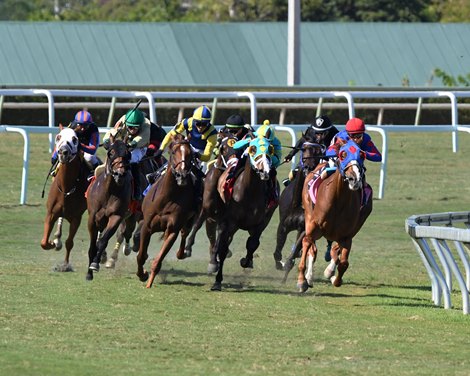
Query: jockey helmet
[355,125]
[321,123]
[235,121]
[82,118]
[202,116]
[266,131]
[134,118]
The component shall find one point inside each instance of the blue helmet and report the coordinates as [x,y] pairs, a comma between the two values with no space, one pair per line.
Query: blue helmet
[82,118]
[202,116]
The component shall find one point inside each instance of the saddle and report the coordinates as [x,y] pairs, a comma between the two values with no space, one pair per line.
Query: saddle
[225,183]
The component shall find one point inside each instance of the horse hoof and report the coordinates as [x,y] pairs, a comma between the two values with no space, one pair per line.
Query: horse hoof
[336,281]
[89,277]
[327,255]
[143,277]
[180,255]
[94,266]
[245,263]
[217,286]
[127,250]
[279,265]
[110,264]
[212,268]
[58,244]
[302,286]
[288,265]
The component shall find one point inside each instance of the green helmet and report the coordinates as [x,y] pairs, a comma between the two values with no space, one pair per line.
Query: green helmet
[134,118]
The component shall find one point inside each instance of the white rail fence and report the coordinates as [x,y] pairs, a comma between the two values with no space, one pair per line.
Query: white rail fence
[436,232]
[250,99]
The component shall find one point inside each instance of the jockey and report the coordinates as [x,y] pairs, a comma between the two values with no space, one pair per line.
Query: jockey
[355,130]
[202,137]
[235,125]
[89,137]
[321,131]
[201,134]
[265,131]
[134,129]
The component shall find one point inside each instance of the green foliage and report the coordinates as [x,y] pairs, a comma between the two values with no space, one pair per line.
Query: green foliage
[235,10]
[451,81]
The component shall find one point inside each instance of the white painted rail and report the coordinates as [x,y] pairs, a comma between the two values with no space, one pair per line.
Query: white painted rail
[251,98]
[430,232]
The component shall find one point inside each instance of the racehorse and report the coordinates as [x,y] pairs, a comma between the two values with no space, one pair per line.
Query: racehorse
[108,199]
[246,208]
[125,231]
[291,213]
[169,207]
[212,204]
[338,214]
[67,194]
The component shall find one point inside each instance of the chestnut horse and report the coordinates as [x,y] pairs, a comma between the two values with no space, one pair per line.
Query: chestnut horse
[212,204]
[67,194]
[246,209]
[291,212]
[169,207]
[108,201]
[338,214]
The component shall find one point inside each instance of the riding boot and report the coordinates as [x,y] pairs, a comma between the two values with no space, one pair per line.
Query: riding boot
[136,177]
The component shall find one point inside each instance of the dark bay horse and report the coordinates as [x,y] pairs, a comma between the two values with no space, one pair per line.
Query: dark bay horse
[291,212]
[169,207]
[212,204]
[337,215]
[108,201]
[246,209]
[147,166]
[67,194]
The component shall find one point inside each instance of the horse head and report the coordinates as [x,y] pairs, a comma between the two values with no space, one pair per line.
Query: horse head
[260,151]
[181,159]
[226,151]
[66,144]
[351,164]
[118,161]
[310,156]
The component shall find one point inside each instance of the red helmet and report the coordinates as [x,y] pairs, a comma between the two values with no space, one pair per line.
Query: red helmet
[355,125]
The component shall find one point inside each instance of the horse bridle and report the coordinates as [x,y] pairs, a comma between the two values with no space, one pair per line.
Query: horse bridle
[179,174]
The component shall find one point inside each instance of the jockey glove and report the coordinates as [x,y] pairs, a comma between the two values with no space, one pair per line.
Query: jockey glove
[132,144]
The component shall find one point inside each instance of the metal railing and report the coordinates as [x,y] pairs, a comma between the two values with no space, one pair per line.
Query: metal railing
[251,99]
[430,232]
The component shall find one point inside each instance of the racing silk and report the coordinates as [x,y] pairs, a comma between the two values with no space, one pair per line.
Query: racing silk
[203,143]
[89,139]
[367,146]
[310,136]
[275,143]
[140,140]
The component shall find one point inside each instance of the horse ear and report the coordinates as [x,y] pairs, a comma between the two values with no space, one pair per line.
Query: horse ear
[342,155]
[111,139]
[61,126]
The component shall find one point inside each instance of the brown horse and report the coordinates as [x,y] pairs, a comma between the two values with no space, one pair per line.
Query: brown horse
[338,214]
[291,212]
[109,196]
[67,194]
[169,207]
[212,204]
[246,209]
[147,166]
